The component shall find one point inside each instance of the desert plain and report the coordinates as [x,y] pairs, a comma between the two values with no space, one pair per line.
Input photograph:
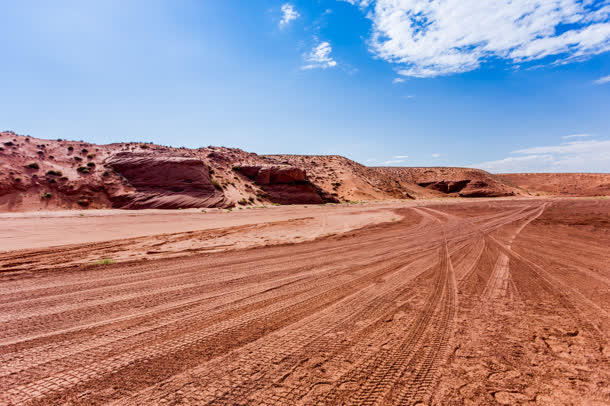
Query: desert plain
[492,301]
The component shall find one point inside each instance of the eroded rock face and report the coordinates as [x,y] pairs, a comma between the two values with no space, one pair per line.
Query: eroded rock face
[446,186]
[468,188]
[286,185]
[276,176]
[464,182]
[483,189]
[164,182]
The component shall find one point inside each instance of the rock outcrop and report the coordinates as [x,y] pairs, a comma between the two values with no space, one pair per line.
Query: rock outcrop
[463,182]
[162,181]
[286,185]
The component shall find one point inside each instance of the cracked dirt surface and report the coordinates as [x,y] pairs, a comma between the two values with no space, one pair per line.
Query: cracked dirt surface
[493,302]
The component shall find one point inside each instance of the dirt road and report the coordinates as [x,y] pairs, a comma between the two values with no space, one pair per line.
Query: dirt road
[476,303]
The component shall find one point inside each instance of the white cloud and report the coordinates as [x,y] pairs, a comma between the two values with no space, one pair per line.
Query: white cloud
[602,80]
[359,3]
[600,14]
[435,155]
[529,163]
[289,14]
[398,80]
[409,96]
[568,148]
[574,156]
[393,161]
[319,57]
[567,137]
[443,37]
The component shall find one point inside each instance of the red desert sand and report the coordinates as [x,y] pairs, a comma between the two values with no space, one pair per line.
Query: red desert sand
[493,301]
[444,286]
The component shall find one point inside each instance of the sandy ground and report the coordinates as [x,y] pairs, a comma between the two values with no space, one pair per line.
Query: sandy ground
[85,237]
[40,229]
[486,302]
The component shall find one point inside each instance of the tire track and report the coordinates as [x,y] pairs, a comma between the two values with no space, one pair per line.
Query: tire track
[367,317]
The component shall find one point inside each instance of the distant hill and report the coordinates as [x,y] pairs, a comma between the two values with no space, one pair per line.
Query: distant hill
[560,184]
[59,174]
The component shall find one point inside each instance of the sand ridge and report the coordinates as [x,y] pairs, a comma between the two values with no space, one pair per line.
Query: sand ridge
[129,235]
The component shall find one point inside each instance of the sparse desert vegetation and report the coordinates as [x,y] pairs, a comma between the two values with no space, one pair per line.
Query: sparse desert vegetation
[104,261]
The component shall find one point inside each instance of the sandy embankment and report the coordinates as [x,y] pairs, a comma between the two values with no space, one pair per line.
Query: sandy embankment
[88,236]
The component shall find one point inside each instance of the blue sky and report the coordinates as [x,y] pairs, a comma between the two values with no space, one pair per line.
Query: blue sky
[520,86]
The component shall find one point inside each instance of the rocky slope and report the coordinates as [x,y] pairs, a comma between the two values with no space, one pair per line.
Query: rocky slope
[349,180]
[562,184]
[463,182]
[47,174]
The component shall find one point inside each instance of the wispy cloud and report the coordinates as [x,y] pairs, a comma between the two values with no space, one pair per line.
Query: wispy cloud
[567,137]
[432,38]
[398,80]
[289,13]
[529,163]
[400,156]
[602,80]
[435,155]
[409,96]
[393,161]
[360,3]
[574,156]
[568,148]
[319,57]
